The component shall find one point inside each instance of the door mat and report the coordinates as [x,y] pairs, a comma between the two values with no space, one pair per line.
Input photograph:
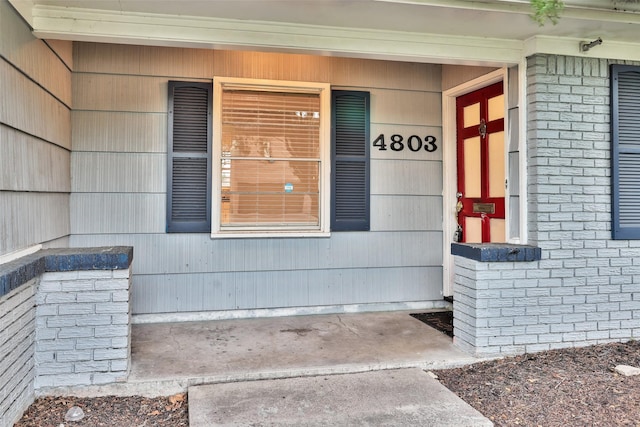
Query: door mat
[440,320]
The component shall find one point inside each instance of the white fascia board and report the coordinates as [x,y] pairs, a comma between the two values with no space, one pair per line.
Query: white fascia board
[571,47]
[178,31]
[24,7]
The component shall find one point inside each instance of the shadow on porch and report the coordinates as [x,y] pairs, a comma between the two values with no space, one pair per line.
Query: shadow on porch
[169,357]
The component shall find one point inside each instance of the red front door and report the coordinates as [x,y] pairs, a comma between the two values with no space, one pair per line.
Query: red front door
[481,166]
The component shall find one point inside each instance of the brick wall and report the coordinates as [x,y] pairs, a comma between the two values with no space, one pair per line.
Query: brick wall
[585,289]
[17,338]
[83,330]
[64,321]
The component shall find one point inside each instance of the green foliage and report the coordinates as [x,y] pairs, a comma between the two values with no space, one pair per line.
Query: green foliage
[546,9]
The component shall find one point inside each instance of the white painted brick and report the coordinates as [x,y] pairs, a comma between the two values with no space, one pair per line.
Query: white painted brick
[53,345]
[105,354]
[94,274]
[112,307]
[120,296]
[73,356]
[111,331]
[76,332]
[111,285]
[94,296]
[92,366]
[59,275]
[54,368]
[93,343]
[50,286]
[78,286]
[121,274]
[59,298]
[106,378]
[77,308]
[525,339]
[119,365]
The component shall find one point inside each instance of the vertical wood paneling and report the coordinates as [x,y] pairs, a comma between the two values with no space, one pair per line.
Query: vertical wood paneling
[32,56]
[143,60]
[27,107]
[30,164]
[118,172]
[119,132]
[27,219]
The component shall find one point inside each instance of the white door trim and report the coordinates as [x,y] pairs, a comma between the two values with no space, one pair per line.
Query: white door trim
[449,182]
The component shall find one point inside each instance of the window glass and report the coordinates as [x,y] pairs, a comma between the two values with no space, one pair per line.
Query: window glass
[271,152]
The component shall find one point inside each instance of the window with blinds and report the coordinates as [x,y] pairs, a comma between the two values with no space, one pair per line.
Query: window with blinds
[271,152]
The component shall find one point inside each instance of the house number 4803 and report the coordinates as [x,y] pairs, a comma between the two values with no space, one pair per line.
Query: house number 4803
[414,143]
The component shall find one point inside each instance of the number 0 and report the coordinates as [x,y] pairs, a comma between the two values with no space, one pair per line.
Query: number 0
[417,140]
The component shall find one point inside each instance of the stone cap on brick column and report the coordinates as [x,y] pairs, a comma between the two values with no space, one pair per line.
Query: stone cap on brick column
[496,252]
[15,273]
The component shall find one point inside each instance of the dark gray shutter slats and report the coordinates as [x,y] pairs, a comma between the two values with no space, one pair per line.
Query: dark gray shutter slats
[350,161]
[625,137]
[189,158]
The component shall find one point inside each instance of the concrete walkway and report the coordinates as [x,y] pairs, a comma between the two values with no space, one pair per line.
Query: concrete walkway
[324,370]
[406,397]
[188,353]
[347,369]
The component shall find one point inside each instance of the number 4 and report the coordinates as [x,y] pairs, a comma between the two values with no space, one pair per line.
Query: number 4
[379,142]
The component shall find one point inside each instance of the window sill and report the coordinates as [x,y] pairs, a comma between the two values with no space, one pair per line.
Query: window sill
[270,234]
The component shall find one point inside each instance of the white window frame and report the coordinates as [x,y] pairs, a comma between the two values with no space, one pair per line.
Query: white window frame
[324,90]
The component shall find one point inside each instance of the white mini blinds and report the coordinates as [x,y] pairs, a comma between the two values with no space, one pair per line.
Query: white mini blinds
[271,154]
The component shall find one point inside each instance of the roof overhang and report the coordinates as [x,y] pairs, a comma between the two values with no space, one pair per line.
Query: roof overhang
[487,32]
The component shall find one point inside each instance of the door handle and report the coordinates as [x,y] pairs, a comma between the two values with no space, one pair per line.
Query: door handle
[459,206]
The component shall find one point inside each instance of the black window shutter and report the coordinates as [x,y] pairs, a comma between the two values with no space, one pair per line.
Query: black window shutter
[625,152]
[350,161]
[189,158]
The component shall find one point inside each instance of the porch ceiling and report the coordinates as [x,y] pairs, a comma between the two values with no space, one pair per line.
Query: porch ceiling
[497,31]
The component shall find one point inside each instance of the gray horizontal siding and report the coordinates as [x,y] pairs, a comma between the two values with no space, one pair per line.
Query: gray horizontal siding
[119,132]
[26,106]
[405,107]
[273,289]
[30,164]
[198,253]
[143,60]
[119,172]
[27,219]
[31,55]
[351,72]
[119,184]
[118,213]
[105,92]
[404,213]
[398,177]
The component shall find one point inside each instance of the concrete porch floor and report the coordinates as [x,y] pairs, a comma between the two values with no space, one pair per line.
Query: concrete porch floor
[169,357]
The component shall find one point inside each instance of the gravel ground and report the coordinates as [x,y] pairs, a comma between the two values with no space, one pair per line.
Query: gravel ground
[570,387]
